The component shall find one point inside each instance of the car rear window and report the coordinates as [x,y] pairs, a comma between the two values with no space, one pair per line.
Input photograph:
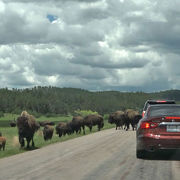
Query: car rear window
[157,102]
[155,111]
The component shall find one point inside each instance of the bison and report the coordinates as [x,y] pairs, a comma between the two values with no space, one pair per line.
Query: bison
[77,123]
[27,126]
[2,142]
[48,132]
[44,123]
[117,118]
[63,128]
[132,117]
[93,120]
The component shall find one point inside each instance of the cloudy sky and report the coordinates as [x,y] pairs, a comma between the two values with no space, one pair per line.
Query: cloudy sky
[126,45]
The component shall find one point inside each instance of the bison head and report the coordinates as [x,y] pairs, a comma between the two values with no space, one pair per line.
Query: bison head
[137,118]
[22,124]
[111,119]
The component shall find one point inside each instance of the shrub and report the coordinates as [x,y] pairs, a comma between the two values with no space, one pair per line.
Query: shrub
[84,112]
[106,116]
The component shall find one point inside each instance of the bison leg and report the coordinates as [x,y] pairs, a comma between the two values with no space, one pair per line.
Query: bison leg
[60,134]
[64,133]
[4,146]
[83,130]
[90,128]
[127,127]
[132,124]
[32,142]
[76,131]
[124,127]
[21,141]
[99,127]
[28,139]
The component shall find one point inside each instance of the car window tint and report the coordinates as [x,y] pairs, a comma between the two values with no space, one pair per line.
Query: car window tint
[164,111]
[155,103]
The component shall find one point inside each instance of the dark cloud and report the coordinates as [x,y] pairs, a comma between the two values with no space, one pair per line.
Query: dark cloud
[94,13]
[104,61]
[52,1]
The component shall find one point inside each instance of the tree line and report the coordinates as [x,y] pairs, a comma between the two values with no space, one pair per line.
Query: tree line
[53,100]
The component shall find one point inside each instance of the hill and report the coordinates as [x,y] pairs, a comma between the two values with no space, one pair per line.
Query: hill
[54,100]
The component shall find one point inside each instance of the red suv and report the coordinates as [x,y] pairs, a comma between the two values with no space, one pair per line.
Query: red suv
[154,102]
[158,129]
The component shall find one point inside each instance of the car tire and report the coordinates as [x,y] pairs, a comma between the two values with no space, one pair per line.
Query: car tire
[140,154]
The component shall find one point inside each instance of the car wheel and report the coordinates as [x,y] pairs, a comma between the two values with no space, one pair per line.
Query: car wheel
[140,154]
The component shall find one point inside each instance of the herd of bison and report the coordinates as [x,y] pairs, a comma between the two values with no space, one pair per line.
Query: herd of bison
[27,125]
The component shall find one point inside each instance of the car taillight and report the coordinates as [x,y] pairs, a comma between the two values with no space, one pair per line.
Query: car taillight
[172,117]
[161,101]
[148,125]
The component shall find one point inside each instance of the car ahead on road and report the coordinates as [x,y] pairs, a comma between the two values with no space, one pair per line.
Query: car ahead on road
[158,129]
[154,102]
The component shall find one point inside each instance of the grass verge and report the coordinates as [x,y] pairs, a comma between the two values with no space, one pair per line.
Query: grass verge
[11,134]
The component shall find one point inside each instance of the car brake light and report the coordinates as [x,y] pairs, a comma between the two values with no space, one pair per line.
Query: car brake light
[172,117]
[148,125]
[143,113]
[145,125]
[161,101]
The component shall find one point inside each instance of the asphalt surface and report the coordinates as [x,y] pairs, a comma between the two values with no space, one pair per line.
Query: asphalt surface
[106,155]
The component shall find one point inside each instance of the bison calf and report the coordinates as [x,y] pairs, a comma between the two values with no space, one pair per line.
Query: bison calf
[63,128]
[2,142]
[48,132]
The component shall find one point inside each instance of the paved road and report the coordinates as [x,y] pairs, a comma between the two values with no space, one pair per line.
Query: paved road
[106,155]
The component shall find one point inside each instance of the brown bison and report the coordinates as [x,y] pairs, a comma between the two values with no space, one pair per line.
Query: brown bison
[132,117]
[44,123]
[27,126]
[48,132]
[77,123]
[63,128]
[13,123]
[93,120]
[2,142]
[117,118]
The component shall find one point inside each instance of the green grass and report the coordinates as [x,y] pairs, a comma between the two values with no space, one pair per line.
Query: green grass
[4,121]
[8,117]
[11,134]
[55,119]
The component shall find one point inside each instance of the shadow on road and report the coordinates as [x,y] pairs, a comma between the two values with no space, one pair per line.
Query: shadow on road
[164,155]
[30,148]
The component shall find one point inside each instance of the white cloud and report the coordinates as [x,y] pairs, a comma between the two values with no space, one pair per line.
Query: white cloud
[93,44]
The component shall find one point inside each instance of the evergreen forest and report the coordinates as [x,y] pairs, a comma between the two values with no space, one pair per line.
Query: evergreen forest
[53,100]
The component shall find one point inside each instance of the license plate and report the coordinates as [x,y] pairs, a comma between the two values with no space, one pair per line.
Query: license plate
[173,128]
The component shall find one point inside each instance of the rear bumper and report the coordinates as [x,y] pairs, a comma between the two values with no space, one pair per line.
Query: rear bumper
[150,142]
